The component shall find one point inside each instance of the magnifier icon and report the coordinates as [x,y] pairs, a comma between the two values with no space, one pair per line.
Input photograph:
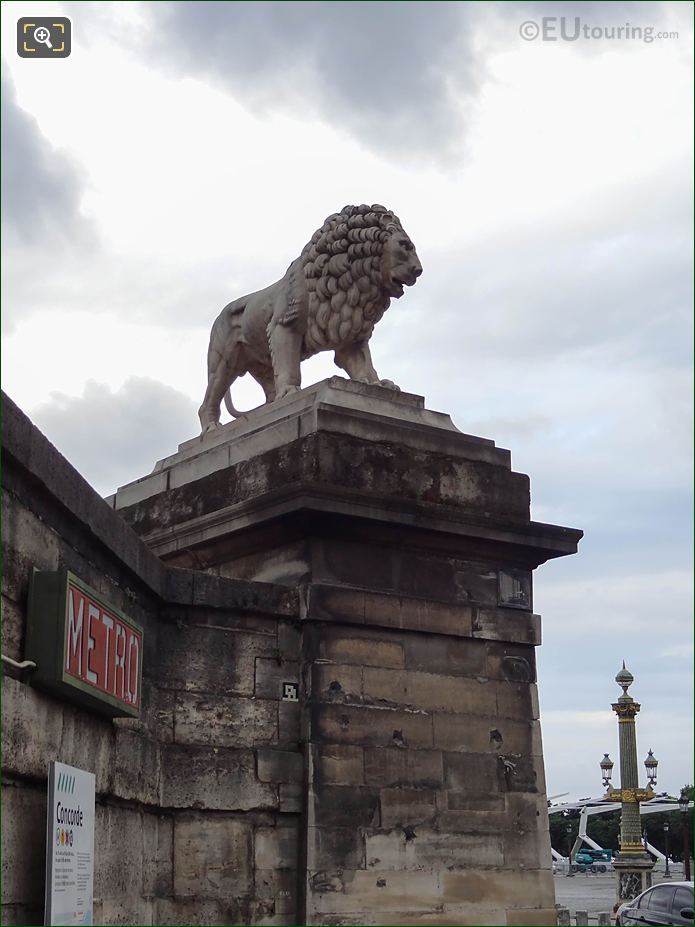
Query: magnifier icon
[43,36]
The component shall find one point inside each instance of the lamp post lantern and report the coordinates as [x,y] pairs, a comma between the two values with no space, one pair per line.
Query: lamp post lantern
[684,805]
[633,864]
[667,873]
[606,765]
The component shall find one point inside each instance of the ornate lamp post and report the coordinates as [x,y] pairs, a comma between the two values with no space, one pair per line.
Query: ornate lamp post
[684,805]
[633,864]
[568,831]
[667,873]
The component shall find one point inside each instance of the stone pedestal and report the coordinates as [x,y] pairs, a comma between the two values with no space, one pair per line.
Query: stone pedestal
[423,796]
[633,875]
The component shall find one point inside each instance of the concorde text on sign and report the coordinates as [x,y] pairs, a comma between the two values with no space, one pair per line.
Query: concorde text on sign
[85,648]
[69,845]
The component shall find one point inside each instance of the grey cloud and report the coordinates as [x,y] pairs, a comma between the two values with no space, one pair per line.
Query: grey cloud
[403,78]
[115,437]
[393,74]
[41,187]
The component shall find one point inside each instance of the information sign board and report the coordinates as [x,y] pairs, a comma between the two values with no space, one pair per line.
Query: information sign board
[69,845]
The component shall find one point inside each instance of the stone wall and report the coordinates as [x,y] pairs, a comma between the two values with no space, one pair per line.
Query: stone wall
[197,801]
[345,541]
[428,800]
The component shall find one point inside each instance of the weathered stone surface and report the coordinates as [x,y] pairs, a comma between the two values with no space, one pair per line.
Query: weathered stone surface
[394,766]
[462,769]
[172,912]
[373,726]
[517,700]
[467,800]
[362,651]
[289,724]
[291,797]
[213,778]
[358,890]
[361,607]
[507,624]
[186,659]
[27,543]
[448,656]
[68,735]
[276,847]
[276,889]
[423,848]
[123,878]
[23,843]
[335,848]
[337,683]
[279,765]
[430,691]
[472,822]
[484,734]
[407,807]
[136,768]
[340,764]
[212,857]
[345,806]
[12,629]
[22,913]
[512,889]
[271,674]
[125,910]
[224,722]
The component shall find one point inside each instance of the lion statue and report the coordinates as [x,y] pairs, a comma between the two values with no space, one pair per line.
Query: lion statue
[330,299]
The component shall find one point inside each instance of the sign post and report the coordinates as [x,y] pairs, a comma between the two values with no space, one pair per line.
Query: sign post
[69,845]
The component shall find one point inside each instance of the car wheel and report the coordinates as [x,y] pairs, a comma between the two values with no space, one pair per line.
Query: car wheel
[601,868]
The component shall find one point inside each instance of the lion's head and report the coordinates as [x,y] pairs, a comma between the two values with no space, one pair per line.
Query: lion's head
[354,265]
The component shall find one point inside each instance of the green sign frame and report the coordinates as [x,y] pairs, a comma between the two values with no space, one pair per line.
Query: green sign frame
[46,642]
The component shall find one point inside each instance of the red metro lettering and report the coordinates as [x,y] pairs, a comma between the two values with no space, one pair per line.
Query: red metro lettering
[101,649]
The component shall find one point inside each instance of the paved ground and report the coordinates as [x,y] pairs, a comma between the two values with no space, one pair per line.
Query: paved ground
[595,892]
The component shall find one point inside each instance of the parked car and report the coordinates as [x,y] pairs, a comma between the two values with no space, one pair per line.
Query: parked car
[666,903]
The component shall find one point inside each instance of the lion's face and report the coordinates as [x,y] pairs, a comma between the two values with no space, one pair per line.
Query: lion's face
[400,264]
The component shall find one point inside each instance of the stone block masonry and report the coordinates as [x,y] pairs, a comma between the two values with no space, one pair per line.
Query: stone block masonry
[340,716]
[195,823]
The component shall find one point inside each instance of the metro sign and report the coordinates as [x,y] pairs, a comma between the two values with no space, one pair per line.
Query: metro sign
[85,649]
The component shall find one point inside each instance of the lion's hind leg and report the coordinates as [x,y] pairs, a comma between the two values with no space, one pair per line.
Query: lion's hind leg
[221,375]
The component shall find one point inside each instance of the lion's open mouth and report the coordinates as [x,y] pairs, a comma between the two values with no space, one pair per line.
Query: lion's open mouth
[398,285]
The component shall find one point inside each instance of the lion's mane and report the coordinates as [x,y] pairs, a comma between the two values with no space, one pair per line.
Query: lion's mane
[343,272]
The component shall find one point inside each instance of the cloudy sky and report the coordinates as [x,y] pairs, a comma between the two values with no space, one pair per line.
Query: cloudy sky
[185,152]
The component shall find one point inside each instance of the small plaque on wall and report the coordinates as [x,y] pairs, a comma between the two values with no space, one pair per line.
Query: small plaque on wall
[514,589]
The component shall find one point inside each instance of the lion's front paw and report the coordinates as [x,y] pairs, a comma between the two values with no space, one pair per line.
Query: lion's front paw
[389,384]
[286,391]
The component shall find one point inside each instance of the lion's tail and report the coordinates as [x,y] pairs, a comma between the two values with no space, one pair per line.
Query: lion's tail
[230,405]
